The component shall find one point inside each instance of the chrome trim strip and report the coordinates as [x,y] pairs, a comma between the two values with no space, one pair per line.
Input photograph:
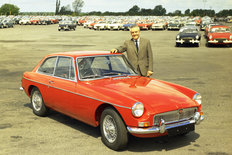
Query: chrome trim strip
[77,94]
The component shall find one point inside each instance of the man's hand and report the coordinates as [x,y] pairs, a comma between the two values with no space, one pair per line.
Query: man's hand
[149,73]
[114,51]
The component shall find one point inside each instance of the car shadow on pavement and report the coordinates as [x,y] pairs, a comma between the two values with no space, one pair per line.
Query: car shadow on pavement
[165,143]
[71,122]
[218,46]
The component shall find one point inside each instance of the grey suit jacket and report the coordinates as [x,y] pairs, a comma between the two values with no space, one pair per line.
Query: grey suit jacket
[142,59]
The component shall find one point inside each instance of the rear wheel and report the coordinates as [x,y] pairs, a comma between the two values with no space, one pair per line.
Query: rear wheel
[37,103]
[113,130]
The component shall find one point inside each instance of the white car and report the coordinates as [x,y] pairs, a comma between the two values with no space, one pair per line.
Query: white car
[114,26]
[158,26]
[100,26]
[25,21]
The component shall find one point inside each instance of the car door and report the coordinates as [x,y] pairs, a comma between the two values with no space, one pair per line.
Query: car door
[61,91]
[44,75]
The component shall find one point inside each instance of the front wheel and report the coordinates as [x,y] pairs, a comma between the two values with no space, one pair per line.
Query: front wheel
[113,130]
[37,103]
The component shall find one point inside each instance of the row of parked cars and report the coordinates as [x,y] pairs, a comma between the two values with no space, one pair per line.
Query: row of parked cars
[145,23]
[10,21]
[189,28]
[215,34]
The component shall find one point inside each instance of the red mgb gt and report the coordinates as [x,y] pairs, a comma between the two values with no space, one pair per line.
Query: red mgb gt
[219,34]
[102,89]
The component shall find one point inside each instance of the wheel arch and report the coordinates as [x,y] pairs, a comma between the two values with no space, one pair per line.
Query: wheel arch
[30,88]
[101,108]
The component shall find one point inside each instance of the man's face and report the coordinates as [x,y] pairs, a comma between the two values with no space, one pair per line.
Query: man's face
[135,32]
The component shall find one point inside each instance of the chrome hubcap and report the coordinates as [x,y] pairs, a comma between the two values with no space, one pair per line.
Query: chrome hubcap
[109,129]
[36,101]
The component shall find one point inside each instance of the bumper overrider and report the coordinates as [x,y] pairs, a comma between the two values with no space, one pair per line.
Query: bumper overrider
[165,126]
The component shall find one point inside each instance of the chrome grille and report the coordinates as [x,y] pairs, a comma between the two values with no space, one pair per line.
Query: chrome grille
[175,116]
[187,38]
[221,39]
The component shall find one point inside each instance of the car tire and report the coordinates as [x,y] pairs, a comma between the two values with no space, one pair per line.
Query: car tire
[113,130]
[37,103]
[177,45]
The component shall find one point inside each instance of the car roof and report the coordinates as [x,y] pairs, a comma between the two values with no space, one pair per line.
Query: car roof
[80,53]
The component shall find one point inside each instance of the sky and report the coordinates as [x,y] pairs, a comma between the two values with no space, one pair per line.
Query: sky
[121,5]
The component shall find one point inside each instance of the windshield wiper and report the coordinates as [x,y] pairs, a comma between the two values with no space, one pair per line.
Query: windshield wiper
[91,76]
[111,73]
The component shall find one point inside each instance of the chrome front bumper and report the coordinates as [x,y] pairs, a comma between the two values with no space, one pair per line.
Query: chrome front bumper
[21,88]
[163,127]
[225,41]
[190,41]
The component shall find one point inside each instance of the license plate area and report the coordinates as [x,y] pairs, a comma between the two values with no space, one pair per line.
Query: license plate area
[181,130]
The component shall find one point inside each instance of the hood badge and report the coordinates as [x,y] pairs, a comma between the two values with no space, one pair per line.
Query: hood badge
[180,111]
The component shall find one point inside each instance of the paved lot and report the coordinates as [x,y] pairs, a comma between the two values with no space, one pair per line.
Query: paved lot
[206,70]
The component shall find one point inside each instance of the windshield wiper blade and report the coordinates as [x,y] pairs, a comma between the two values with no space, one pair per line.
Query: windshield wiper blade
[91,76]
[111,73]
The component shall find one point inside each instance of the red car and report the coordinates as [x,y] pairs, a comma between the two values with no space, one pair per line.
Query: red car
[219,34]
[144,26]
[102,89]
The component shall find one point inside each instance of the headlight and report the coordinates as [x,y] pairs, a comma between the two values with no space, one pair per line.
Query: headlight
[197,98]
[210,37]
[177,37]
[197,37]
[231,37]
[137,109]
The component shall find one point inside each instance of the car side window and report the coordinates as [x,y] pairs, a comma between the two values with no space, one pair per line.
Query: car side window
[64,68]
[48,66]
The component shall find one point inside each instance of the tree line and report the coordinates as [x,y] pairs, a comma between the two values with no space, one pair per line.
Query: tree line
[160,11]
[75,10]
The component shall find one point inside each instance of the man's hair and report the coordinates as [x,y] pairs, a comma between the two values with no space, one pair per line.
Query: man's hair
[134,26]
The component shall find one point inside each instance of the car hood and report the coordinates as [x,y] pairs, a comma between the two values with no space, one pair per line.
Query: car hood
[188,34]
[152,93]
[220,35]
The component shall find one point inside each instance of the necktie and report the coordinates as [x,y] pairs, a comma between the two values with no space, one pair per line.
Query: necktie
[137,47]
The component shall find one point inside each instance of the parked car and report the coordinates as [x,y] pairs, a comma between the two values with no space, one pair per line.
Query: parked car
[188,35]
[67,25]
[174,26]
[219,34]
[144,26]
[100,26]
[114,26]
[158,26]
[7,23]
[126,27]
[102,89]
[1,24]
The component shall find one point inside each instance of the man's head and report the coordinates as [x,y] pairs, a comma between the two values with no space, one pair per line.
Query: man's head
[135,32]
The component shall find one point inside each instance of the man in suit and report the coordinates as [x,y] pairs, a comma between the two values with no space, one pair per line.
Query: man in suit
[138,51]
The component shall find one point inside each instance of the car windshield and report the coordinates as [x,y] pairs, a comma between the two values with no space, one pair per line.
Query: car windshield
[220,30]
[103,67]
[189,31]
